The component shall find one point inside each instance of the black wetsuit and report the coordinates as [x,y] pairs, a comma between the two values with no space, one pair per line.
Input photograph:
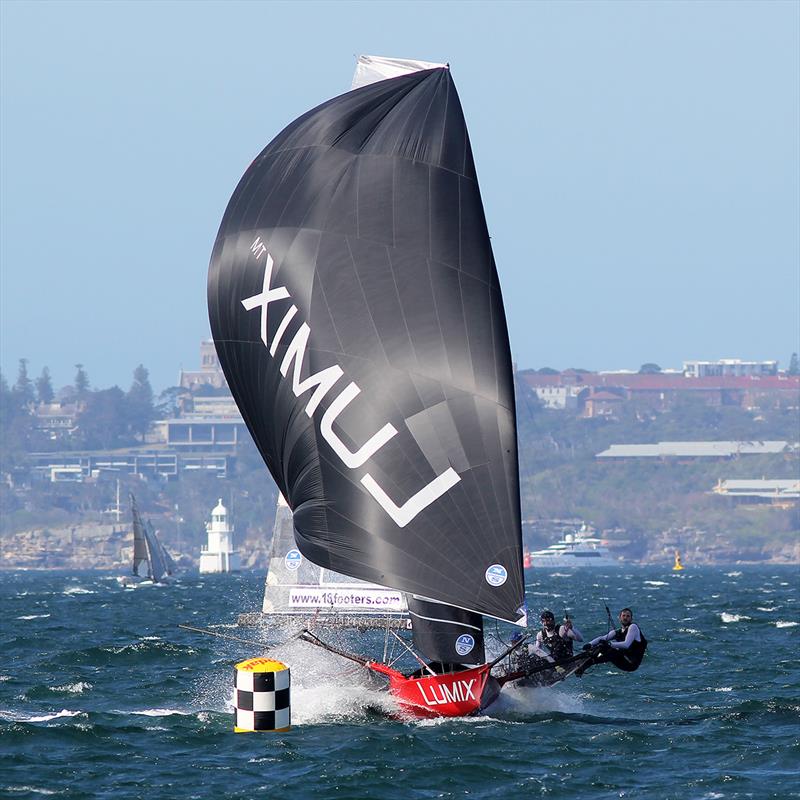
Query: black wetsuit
[558,647]
[628,659]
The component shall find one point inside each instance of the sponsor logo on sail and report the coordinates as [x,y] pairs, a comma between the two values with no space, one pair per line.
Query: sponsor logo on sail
[292,560]
[464,644]
[496,575]
[323,385]
[352,599]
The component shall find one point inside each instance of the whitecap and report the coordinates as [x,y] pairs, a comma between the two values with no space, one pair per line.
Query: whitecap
[764,608]
[33,789]
[726,617]
[783,624]
[158,712]
[33,616]
[77,590]
[72,688]
[688,630]
[656,583]
[733,574]
[14,716]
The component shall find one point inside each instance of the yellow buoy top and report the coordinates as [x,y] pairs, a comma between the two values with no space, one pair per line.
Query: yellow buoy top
[261,665]
[678,565]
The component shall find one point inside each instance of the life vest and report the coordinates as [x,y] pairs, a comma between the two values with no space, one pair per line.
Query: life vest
[635,653]
[559,648]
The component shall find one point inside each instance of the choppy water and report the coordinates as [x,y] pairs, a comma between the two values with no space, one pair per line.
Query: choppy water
[102,696]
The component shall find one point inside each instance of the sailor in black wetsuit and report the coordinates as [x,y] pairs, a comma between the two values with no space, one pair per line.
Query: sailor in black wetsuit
[555,643]
[624,647]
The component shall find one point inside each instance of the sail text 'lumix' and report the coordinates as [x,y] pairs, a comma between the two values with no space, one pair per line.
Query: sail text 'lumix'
[320,384]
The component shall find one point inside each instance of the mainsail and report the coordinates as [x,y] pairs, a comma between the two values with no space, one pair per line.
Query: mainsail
[147,549]
[140,554]
[357,315]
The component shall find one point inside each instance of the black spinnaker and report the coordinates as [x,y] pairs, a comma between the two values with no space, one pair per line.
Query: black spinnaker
[357,315]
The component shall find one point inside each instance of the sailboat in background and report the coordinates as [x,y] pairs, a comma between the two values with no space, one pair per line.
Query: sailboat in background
[148,554]
[357,314]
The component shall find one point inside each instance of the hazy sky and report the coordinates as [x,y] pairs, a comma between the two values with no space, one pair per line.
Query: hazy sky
[638,162]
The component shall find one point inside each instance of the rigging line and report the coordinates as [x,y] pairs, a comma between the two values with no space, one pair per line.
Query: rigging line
[611,625]
[386,639]
[228,636]
[418,659]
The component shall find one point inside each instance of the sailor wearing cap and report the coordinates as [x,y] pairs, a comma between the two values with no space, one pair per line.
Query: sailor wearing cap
[555,643]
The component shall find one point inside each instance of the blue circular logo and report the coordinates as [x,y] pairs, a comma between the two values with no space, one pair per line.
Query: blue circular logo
[293,560]
[496,575]
[464,644]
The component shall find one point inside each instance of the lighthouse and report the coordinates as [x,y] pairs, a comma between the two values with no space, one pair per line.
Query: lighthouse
[218,555]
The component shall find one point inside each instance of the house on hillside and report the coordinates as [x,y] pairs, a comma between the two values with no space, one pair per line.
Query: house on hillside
[603,403]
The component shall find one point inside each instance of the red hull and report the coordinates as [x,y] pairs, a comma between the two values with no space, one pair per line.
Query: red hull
[456,694]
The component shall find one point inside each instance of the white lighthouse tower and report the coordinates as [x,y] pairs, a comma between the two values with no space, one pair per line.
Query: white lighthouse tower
[218,555]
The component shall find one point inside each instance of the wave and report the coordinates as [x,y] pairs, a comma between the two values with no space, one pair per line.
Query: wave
[784,624]
[733,574]
[159,712]
[33,616]
[138,652]
[655,583]
[527,701]
[727,618]
[77,590]
[17,716]
[72,688]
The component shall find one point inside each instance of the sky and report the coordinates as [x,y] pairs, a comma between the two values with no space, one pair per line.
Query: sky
[639,165]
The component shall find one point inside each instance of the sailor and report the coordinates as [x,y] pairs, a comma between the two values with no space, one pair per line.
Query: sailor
[522,659]
[555,643]
[624,647]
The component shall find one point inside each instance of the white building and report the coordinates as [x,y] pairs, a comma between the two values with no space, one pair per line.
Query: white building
[729,367]
[561,397]
[218,555]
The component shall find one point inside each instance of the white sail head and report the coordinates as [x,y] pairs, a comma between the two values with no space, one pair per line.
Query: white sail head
[370,69]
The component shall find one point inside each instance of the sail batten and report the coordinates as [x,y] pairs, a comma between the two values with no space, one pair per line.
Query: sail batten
[354,301]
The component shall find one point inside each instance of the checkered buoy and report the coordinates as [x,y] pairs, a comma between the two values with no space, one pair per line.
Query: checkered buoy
[261,696]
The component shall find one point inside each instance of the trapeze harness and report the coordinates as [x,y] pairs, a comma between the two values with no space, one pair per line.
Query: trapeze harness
[559,647]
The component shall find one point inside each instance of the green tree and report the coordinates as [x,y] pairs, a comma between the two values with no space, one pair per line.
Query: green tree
[140,402]
[81,382]
[16,423]
[794,366]
[23,388]
[649,369]
[169,401]
[103,423]
[44,387]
